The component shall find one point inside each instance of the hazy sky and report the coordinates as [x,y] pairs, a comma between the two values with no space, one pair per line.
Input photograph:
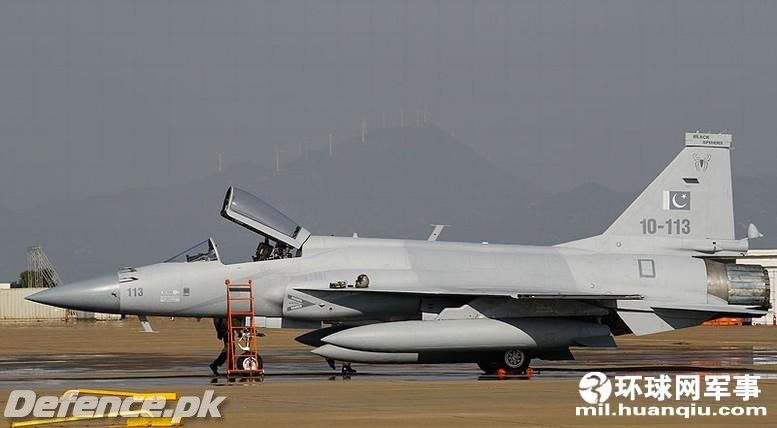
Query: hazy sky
[98,96]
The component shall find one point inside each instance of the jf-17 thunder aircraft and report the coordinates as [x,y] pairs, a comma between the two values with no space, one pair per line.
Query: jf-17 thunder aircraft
[668,262]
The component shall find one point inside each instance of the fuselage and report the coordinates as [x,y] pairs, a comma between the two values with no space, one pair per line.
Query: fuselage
[196,289]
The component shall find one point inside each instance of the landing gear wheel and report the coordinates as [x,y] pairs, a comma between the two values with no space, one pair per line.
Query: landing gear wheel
[516,361]
[513,361]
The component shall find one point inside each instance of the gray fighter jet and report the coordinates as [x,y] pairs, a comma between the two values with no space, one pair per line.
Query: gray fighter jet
[667,262]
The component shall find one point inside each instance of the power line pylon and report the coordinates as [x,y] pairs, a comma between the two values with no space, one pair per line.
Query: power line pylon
[41,272]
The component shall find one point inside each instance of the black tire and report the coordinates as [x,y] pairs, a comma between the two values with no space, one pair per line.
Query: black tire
[241,362]
[513,361]
[516,361]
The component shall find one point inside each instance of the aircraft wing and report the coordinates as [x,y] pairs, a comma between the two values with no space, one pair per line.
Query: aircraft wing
[479,292]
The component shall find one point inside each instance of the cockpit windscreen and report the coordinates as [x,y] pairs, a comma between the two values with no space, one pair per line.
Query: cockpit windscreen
[204,251]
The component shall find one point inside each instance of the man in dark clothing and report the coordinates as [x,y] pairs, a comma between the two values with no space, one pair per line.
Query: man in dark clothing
[223,334]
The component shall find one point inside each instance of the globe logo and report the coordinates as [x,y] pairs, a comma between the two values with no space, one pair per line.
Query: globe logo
[595,388]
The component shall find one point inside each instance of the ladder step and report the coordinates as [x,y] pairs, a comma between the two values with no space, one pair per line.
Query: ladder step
[241,293]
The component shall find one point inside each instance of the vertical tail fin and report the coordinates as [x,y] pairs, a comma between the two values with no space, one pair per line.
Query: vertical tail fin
[690,199]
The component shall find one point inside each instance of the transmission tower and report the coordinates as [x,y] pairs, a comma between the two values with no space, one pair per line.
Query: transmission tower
[41,272]
[278,152]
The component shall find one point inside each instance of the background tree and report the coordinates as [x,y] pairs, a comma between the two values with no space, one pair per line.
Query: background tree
[29,279]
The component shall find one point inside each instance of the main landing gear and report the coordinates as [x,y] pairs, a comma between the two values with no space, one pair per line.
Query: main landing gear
[513,361]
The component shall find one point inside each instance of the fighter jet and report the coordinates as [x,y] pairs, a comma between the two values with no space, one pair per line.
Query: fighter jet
[668,262]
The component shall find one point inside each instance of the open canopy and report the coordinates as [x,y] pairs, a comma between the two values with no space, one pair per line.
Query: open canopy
[257,215]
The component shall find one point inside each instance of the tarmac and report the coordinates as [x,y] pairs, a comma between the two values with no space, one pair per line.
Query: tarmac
[299,389]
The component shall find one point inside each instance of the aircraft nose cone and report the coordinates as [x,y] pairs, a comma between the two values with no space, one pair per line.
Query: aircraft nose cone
[97,295]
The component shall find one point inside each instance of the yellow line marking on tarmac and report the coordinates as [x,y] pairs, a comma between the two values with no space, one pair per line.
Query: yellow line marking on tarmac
[138,396]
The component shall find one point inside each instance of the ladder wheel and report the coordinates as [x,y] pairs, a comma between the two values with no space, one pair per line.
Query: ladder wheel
[250,363]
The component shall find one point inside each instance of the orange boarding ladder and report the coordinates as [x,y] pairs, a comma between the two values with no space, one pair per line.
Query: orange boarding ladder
[242,351]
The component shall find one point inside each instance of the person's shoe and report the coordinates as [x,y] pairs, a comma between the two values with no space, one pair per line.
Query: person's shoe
[214,368]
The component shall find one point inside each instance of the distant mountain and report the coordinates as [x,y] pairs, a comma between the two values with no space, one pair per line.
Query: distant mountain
[395,184]
[584,211]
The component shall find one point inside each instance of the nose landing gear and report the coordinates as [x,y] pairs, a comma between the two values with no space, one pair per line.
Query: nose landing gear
[346,370]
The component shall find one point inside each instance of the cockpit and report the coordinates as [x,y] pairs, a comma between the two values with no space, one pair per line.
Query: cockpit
[281,237]
[272,250]
[204,251]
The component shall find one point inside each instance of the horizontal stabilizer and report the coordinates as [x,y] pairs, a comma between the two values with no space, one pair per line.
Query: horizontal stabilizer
[728,310]
[662,317]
